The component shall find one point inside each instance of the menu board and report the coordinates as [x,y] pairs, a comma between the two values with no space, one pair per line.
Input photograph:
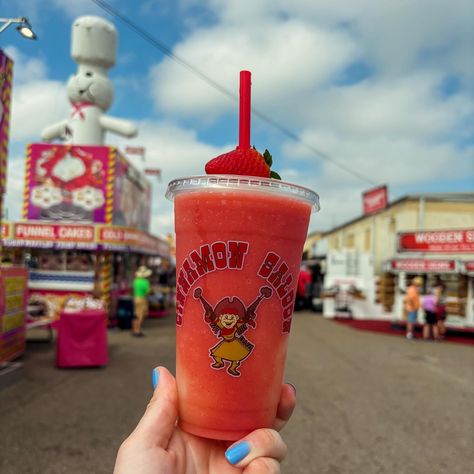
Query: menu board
[13,286]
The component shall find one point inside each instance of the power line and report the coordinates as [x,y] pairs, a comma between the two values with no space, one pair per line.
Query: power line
[211,82]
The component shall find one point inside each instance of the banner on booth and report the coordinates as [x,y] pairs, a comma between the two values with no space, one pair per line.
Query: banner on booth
[67,182]
[421,265]
[59,232]
[82,236]
[442,241]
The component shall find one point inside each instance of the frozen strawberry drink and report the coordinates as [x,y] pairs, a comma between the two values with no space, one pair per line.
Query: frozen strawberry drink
[239,241]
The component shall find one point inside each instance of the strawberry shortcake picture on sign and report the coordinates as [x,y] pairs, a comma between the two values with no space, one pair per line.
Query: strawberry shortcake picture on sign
[67,182]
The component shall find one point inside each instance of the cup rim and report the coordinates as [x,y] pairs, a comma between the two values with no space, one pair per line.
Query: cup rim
[244,183]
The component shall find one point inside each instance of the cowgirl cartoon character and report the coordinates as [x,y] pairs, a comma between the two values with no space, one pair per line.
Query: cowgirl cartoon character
[229,319]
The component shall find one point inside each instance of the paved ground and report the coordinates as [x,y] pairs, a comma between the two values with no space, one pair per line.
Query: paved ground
[367,403]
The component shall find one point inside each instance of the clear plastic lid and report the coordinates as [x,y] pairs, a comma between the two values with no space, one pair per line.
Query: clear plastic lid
[243,183]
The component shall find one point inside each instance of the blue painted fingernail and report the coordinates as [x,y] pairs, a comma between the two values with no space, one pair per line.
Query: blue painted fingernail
[155,378]
[237,452]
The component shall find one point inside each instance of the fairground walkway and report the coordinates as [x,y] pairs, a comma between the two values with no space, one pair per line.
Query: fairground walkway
[367,403]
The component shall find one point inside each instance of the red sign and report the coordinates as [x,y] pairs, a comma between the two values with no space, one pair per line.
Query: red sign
[443,241]
[469,266]
[123,235]
[73,233]
[153,171]
[5,230]
[135,150]
[421,265]
[126,236]
[375,199]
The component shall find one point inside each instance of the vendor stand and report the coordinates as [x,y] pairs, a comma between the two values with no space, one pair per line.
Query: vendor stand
[447,255]
[98,264]
[86,213]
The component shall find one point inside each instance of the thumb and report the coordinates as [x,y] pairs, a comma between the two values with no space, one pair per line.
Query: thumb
[158,423]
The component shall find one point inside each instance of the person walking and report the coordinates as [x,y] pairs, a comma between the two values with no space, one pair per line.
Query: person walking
[429,307]
[412,305]
[440,294]
[303,290]
[141,288]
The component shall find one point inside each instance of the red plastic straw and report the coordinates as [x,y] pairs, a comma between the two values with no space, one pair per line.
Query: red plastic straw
[244,111]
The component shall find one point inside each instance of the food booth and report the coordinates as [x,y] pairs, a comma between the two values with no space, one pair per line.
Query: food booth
[447,254]
[86,213]
[76,261]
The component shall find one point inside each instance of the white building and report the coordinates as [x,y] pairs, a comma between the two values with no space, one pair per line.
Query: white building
[426,235]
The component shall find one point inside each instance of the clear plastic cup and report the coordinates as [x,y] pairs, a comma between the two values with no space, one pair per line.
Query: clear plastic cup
[239,242]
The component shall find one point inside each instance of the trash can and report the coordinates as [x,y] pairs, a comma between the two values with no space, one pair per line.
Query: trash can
[124,312]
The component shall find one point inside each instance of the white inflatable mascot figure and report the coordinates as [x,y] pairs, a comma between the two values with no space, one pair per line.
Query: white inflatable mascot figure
[93,47]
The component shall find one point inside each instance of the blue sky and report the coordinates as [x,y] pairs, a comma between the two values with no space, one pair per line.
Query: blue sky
[383,88]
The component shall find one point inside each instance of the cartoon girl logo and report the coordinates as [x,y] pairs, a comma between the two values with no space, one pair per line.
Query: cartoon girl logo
[229,319]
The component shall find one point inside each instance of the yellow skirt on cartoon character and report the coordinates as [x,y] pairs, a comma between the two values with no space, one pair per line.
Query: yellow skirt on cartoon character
[233,350]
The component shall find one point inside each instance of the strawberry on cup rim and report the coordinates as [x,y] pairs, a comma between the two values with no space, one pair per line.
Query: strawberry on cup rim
[243,161]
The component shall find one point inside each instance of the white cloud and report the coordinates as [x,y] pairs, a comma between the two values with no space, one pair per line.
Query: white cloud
[37,101]
[299,46]
[36,105]
[276,53]
[25,69]
[398,132]
[15,185]
[403,107]
[393,34]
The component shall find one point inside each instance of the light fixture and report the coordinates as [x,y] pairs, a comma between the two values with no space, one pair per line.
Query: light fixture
[24,27]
